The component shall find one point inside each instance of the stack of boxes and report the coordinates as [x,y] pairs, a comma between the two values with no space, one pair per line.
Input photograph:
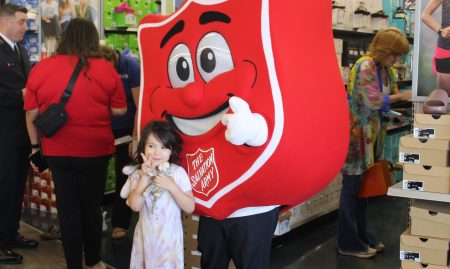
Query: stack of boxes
[323,202]
[425,155]
[40,192]
[126,39]
[426,242]
[191,254]
[110,184]
[141,8]
[370,16]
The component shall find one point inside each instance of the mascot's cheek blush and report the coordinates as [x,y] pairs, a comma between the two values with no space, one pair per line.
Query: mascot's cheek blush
[256,94]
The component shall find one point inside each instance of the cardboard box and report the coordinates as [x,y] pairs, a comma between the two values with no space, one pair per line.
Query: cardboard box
[192,259]
[428,178]
[430,218]
[422,249]
[190,242]
[418,265]
[432,126]
[433,152]
[190,223]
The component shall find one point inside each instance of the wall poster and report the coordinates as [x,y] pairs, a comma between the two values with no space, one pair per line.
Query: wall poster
[425,41]
[55,15]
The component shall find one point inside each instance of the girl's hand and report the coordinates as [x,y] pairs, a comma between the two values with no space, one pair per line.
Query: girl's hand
[147,166]
[164,182]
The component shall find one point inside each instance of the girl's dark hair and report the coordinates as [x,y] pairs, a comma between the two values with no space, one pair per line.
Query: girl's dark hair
[80,38]
[166,134]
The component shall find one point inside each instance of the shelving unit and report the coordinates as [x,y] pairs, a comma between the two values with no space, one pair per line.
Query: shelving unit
[398,191]
[341,33]
[120,30]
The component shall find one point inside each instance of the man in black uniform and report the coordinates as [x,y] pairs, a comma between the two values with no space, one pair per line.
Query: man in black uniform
[14,141]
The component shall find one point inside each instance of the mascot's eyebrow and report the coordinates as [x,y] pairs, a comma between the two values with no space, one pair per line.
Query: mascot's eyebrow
[177,28]
[212,16]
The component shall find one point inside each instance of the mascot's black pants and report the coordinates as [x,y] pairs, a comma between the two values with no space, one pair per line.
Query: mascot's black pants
[246,240]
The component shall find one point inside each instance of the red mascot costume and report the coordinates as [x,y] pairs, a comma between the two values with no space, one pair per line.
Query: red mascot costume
[254,89]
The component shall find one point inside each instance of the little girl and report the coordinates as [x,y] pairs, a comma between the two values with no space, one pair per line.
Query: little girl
[159,189]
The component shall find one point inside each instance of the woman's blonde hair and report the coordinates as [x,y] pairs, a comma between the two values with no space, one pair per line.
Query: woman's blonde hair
[388,41]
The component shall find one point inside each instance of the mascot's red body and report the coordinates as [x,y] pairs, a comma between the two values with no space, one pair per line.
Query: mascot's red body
[255,92]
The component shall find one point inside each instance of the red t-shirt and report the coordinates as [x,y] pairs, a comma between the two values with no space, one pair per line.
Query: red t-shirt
[87,133]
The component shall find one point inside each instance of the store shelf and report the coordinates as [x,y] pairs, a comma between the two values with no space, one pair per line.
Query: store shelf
[121,29]
[315,216]
[361,33]
[403,83]
[397,190]
[398,127]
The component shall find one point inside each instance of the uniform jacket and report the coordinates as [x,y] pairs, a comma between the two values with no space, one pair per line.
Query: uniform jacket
[13,78]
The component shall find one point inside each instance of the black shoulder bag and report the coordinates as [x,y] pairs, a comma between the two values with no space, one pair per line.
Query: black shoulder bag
[55,116]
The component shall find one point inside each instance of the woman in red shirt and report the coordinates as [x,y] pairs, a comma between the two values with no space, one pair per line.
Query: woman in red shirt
[79,152]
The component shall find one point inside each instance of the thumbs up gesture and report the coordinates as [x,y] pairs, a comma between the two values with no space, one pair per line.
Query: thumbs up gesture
[243,126]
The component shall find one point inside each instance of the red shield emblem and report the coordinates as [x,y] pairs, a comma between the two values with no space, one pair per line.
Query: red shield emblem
[202,171]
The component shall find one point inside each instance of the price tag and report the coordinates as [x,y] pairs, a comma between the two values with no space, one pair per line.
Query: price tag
[409,256]
[409,158]
[424,133]
[413,185]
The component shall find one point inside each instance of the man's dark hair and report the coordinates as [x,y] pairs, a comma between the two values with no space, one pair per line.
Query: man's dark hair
[9,9]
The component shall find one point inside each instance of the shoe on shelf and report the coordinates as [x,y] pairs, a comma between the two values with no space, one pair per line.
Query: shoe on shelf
[8,256]
[369,253]
[379,248]
[21,242]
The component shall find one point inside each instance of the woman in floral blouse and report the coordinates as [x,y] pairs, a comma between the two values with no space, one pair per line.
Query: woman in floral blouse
[371,89]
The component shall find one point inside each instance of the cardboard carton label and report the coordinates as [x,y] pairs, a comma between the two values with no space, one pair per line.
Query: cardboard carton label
[424,133]
[413,185]
[409,158]
[409,256]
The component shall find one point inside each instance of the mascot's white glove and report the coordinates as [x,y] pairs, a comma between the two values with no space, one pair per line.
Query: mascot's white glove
[243,126]
[129,171]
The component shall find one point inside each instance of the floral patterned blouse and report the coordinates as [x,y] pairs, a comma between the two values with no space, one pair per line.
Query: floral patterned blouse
[367,103]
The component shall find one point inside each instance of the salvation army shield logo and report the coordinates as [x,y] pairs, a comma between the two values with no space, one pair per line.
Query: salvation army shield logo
[202,171]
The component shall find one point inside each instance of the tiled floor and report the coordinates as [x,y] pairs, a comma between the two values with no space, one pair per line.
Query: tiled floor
[308,247]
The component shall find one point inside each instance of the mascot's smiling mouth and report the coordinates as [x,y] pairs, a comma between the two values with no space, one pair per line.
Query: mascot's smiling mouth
[199,125]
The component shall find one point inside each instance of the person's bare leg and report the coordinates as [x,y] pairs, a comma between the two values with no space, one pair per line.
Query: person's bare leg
[443,82]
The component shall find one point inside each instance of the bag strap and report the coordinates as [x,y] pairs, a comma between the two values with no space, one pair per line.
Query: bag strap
[68,91]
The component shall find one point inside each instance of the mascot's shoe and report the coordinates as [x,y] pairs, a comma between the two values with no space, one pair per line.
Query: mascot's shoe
[369,253]
[436,102]
[21,242]
[8,256]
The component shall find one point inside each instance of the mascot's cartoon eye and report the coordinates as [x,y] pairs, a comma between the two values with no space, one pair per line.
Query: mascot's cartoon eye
[180,68]
[213,56]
